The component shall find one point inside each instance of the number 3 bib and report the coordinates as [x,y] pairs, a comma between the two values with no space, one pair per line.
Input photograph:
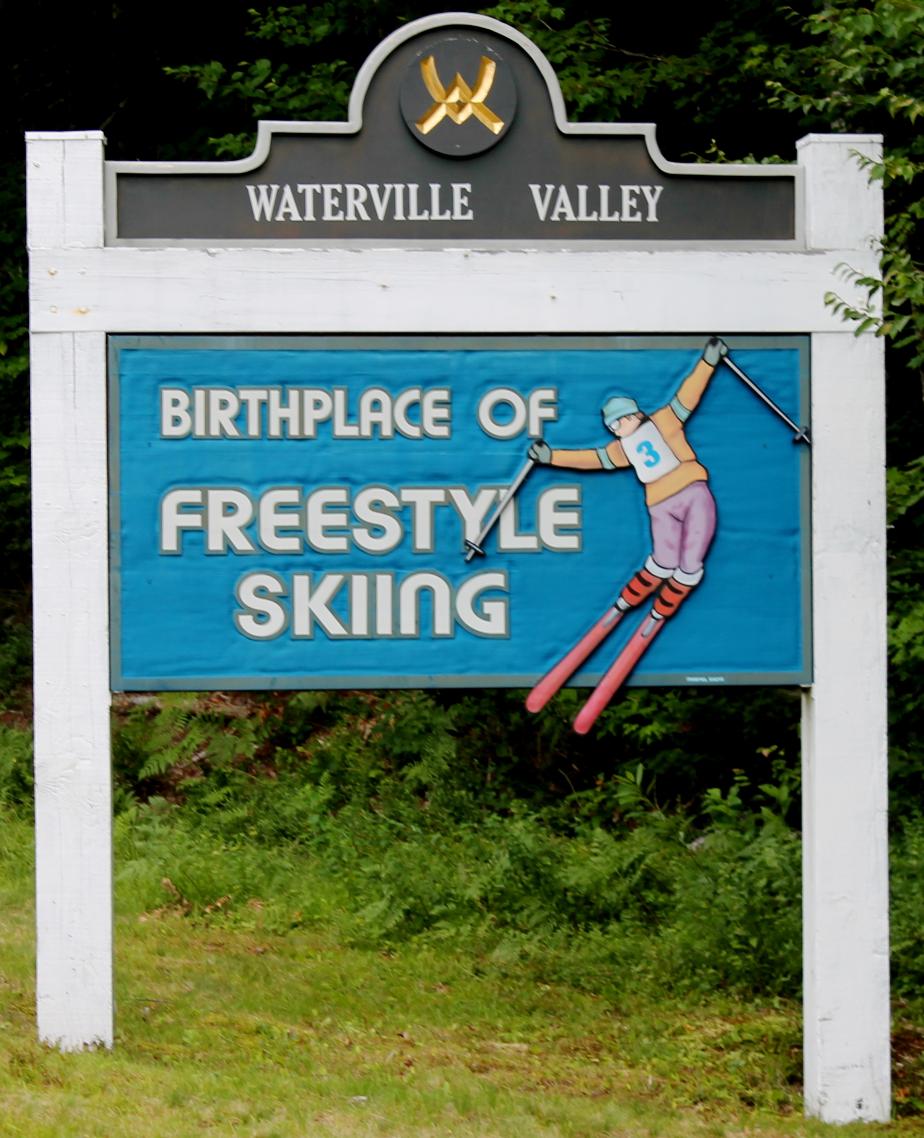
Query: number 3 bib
[648,451]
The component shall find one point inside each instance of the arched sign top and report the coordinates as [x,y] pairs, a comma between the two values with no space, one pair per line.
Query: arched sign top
[456,132]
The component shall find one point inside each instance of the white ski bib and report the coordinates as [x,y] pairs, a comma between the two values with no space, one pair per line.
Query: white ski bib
[647,450]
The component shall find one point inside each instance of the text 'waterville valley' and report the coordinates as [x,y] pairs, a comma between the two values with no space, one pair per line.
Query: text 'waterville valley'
[359,202]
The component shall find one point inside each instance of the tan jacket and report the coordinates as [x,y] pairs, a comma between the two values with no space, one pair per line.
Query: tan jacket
[669,420]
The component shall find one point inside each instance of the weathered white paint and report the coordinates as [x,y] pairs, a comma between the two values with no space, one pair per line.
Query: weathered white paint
[845,845]
[81,290]
[65,183]
[379,290]
[70,537]
[72,784]
[843,208]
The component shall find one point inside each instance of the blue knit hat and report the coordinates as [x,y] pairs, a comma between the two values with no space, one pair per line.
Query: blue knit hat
[616,407]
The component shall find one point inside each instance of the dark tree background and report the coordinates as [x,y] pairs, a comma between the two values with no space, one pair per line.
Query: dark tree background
[745,81]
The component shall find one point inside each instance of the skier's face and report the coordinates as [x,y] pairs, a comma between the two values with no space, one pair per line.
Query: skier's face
[624,427]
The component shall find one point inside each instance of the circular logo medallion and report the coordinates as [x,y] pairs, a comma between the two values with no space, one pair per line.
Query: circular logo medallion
[458,96]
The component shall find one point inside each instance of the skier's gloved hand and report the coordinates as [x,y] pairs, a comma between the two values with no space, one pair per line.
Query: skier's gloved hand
[540,451]
[714,351]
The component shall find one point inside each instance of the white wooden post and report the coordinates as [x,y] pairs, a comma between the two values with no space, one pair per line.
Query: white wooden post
[845,872]
[70,541]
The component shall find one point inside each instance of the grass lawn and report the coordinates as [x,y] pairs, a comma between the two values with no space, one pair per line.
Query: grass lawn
[227,1031]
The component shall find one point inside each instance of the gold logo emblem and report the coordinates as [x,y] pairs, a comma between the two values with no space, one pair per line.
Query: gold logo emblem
[459,102]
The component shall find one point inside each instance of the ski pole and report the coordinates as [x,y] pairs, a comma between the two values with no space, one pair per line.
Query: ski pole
[476,546]
[802,433]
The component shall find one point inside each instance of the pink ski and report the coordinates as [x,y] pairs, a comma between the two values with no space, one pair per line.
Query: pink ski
[616,676]
[560,673]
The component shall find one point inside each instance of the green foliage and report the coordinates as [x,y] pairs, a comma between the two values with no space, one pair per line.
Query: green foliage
[614,912]
[370,825]
[217,1023]
[375,808]
[906,495]
[687,76]
[15,654]
[864,71]
[907,930]
[457,755]
[15,769]
[613,68]
[332,816]
[164,742]
[305,75]
[906,632]
[14,385]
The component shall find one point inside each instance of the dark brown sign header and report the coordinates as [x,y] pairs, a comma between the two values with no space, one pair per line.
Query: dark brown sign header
[456,132]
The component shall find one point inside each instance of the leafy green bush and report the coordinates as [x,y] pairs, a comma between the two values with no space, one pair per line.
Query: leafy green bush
[640,911]
[907,929]
[14,384]
[368,810]
[15,769]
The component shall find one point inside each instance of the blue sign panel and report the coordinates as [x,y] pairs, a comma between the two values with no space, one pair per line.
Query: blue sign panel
[315,512]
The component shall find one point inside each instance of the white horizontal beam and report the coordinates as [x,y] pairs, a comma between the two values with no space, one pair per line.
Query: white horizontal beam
[300,290]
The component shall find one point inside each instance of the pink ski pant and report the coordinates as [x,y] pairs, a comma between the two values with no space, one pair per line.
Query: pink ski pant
[682,528]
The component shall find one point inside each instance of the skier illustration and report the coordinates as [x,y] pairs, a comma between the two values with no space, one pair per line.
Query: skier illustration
[680,504]
[682,514]
[681,510]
